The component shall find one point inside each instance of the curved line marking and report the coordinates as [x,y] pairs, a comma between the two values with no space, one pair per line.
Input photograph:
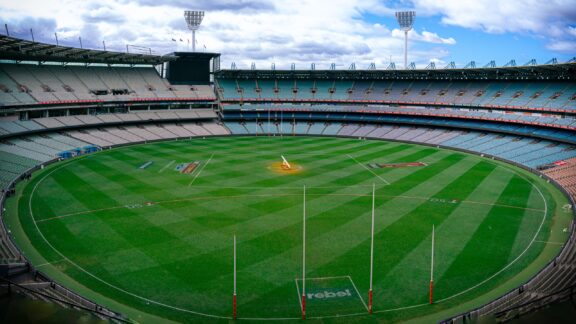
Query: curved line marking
[287,318]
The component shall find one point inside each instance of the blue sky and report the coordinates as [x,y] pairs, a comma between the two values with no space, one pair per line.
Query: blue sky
[310,31]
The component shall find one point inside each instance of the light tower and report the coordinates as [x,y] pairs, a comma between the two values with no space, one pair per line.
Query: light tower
[193,19]
[405,20]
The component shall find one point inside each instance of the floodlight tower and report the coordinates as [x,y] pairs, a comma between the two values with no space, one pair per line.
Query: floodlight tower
[405,20]
[193,19]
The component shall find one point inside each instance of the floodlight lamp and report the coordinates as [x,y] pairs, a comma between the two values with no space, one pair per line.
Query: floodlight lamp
[193,19]
[405,19]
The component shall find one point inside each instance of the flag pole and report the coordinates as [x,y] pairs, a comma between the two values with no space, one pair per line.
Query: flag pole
[371,252]
[304,255]
[234,296]
[432,270]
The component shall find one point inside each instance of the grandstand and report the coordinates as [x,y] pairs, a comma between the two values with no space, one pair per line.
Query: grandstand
[49,112]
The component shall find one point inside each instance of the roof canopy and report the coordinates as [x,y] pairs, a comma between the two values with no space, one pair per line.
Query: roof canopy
[23,50]
[562,71]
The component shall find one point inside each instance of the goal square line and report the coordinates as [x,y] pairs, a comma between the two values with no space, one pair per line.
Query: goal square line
[330,292]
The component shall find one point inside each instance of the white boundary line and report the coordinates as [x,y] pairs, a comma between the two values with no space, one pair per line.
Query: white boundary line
[91,274]
[64,258]
[365,167]
[548,242]
[519,256]
[166,166]
[48,263]
[200,171]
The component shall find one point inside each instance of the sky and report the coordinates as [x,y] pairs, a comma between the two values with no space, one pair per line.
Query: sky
[304,32]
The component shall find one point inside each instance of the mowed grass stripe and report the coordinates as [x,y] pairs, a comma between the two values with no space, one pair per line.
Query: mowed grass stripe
[130,226]
[315,168]
[358,250]
[408,281]
[530,223]
[325,168]
[244,167]
[327,201]
[490,245]
[330,245]
[275,204]
[420,220]
[294,228]
[136,183]
[199,278]
[51,199]
[341,230]
[126,165]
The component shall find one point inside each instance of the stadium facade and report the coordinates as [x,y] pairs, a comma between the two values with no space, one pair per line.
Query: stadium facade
[58,102]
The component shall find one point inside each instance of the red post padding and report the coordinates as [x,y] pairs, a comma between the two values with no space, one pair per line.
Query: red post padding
[431,291]
[234,306]
[370,301]
[303,307]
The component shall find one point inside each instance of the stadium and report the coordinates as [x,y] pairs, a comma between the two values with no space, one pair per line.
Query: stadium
[146,188]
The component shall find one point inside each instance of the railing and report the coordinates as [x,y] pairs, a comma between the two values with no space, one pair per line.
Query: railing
[509,300]
[534,305]
[83,303]
[72,300]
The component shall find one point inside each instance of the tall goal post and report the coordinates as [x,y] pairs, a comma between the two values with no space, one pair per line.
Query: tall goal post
[234,302]
[432,269]
[371,251]
[304,254]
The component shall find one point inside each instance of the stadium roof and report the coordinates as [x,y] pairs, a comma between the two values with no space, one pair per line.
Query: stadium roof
[23,50]
[558,71]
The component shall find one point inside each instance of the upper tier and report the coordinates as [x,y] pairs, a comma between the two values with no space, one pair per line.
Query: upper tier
[25,84]
[556,96]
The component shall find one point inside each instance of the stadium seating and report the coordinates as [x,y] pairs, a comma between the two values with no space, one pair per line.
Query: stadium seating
[560,122]
[551,95]
[30,84]
[565,174]
[527,151]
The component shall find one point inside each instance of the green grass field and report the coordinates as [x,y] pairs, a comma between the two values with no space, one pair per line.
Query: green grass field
[156,242]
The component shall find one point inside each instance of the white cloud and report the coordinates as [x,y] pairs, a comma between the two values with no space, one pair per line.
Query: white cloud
[568,47]
[498,16]
[300,31]
[425,36]
[551,19]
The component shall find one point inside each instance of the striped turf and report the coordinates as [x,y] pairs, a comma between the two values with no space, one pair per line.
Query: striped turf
[174,258]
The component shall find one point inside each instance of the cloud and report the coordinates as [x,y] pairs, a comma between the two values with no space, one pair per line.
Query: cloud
[299,31]
[42,27]
[213,5]
[495,16]
[568,47]
[104,14]
[553,19]
[425,36]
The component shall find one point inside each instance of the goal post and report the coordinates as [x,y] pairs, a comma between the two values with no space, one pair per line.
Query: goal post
[303,253]
[234,302]
[371,250]
[432,269]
